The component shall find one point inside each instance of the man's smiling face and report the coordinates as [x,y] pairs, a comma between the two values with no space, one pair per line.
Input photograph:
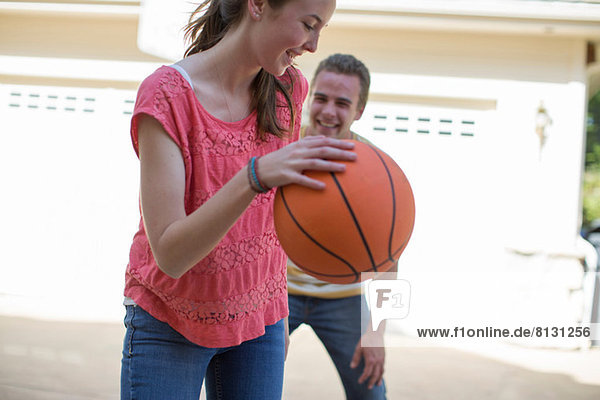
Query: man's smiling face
[334,104]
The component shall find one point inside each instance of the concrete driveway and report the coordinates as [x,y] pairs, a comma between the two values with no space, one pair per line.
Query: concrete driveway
[47,360]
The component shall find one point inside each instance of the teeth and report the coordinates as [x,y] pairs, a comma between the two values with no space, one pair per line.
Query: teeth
[327,125]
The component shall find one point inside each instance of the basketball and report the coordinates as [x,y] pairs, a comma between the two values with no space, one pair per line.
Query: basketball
[361,222]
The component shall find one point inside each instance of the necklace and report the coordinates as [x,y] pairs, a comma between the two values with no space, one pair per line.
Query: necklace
[223,94]
[220,79]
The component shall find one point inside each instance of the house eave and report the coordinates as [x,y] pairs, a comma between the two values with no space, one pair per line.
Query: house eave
[502,17]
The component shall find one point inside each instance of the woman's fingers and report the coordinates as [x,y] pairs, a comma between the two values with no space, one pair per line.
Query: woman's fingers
[314,153]
[322,148]
[329,153]
[318,164]
[309,182]
[320,141]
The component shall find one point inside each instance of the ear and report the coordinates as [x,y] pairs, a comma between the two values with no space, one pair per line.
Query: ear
[256,8]
[359,114]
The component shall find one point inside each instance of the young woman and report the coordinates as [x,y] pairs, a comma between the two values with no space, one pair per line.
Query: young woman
[206,283]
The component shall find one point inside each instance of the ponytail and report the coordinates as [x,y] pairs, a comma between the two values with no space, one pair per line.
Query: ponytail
[208,24]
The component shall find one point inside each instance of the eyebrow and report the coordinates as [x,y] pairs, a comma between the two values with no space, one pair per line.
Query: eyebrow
[337,98]
[315,16]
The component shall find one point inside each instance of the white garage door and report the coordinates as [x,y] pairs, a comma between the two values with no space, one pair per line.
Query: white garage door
[70,200]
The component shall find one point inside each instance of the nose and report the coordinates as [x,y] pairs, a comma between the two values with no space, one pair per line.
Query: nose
[311,45]
[328,109]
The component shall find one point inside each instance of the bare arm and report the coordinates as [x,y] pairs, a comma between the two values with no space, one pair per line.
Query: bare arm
[179,241]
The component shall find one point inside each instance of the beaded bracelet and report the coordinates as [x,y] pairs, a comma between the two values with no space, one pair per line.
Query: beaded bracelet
[250,180]
[260,183]
[253,178]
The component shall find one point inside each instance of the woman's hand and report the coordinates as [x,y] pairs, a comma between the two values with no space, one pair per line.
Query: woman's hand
[286,165]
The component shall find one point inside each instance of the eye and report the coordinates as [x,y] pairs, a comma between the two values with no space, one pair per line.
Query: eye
[307,27]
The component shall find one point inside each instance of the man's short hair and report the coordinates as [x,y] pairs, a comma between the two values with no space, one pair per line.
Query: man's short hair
[348,65]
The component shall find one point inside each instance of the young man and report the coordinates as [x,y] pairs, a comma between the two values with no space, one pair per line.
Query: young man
[338,95]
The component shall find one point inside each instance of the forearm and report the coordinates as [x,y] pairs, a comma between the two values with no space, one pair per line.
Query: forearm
[189,239]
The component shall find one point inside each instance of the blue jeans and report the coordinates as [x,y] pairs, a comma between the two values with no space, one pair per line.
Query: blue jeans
[337,323]
[159,363]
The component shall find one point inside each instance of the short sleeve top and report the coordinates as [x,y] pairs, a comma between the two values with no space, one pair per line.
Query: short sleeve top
[240,286]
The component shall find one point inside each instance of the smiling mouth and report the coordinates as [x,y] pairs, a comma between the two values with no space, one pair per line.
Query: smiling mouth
[326,125]
[291,55]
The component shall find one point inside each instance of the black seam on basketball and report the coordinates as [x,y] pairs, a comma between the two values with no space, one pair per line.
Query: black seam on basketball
[362,235]
[390,257]
[400,249]
[355,275]
[354,271]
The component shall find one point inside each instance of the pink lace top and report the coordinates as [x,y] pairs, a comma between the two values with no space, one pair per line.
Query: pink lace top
[240,287]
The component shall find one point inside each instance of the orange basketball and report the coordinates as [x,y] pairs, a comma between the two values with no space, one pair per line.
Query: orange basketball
[361,221]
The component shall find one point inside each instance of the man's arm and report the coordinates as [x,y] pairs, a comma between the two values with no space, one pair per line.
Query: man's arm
[373,351]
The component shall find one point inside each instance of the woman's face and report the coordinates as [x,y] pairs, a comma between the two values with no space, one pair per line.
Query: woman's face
[290,31]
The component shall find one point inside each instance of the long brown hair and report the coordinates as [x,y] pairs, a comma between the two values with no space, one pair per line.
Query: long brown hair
[208,24]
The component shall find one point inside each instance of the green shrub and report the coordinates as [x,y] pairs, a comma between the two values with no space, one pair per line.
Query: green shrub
[591,180]
[591,196]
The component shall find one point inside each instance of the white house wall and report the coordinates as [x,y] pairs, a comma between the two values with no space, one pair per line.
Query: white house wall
[68,78]
[71,209]
[535,58]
